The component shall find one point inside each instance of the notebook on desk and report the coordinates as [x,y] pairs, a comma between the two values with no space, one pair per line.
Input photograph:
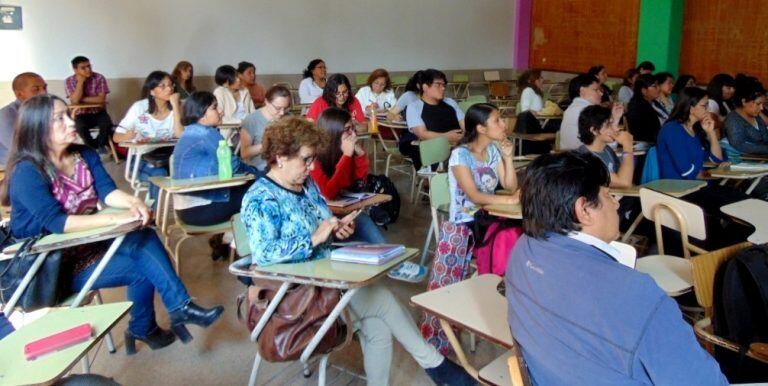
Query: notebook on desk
[349,198]
[373,254]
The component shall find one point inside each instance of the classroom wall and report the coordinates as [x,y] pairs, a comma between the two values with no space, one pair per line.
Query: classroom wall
[724,36]
[125,40]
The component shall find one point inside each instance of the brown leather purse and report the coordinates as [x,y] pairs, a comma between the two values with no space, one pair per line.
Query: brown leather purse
[295,321]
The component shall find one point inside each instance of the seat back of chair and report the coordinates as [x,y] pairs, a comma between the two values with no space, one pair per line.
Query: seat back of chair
[434,150]
[628,254]
[491,76]
[460,78]
[498,89]
[675,214]
[241,236]
[476,99]
[399,80]
[439,192]
[705,267]
[465,105]
[361,79]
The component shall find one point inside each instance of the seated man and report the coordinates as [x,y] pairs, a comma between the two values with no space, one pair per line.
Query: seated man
[88,87]
[25,86]
[584,90]
[646,67]
[431,116]
[579,316]
[597,129]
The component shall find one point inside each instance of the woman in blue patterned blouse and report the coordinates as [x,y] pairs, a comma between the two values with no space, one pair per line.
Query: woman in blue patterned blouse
[288,221]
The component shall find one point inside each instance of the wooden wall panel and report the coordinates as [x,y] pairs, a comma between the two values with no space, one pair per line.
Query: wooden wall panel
[573,35]
[724,36]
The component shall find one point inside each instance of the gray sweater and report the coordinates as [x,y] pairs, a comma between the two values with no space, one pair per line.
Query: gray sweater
[744,137]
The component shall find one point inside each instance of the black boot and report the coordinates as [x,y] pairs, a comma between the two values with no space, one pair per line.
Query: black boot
[449,373]
[219,250]
[194,314]
[156,339]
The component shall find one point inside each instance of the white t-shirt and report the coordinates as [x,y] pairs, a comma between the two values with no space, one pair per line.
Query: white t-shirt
[140,120]
[529,100]
[309,91]
[625,94]
[569,128]
[386,100]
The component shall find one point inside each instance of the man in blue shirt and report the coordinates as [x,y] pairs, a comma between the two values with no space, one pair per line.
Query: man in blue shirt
[25,86]
[579,316]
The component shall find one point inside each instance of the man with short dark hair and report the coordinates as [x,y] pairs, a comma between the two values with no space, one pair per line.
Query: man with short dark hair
[584,90]
[597,130]
[579,316]
[25,86]
[646,67]
[89,87]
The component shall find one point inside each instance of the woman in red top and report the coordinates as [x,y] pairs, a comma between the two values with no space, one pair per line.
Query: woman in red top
[337,93]
[340,167]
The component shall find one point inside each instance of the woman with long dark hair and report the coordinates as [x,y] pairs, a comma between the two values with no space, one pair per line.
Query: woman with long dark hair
[313,82]
[156,117]
[643,120]
[183,75]
[337,93]
[53,186]
[720,91]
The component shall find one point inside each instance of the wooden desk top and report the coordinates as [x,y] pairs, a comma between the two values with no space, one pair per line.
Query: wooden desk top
[144,146]
[16,370]
[343,210]
[85,106]
[754,157]
[674,188]
[393,124]
[229,125]
[753,211]
[57,241]
[535,137]
[513,211]
[321,272]
[474,304]
[728,172]
[201,183]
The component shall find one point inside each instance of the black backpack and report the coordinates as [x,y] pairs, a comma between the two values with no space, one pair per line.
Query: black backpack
[740,312]
[386,212]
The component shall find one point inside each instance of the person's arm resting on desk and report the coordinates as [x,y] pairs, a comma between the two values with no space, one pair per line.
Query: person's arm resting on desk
[263,221]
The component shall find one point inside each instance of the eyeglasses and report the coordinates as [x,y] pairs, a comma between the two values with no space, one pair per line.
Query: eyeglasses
[342,94]
[439,84]
[165,85]
[308,160]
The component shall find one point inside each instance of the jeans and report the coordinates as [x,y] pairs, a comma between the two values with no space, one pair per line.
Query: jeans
[146,170]
[367,231]
[142,265]
[379,316]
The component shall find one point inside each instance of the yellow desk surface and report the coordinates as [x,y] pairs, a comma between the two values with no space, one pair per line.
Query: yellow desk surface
[200,183]
[674,188]
[16,370]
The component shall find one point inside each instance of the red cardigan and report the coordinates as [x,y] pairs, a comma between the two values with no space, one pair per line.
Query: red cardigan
[319,105]
[348,170]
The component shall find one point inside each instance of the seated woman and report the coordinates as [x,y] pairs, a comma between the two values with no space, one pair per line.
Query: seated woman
[431,116]
[627,85]
[601,74]
[54,186]
[720,91]
[341,166]
[686,141]
[745,128]
[597,129]
[246,71]
[337,93]
[233,99]
[156,117]
[664,103]
[288,221]
[277,103]
[377,94]
[682,82]
[195,156]
[311,87]
[182,76]
[480,163]
[532,98]
[644,122]
[411,94]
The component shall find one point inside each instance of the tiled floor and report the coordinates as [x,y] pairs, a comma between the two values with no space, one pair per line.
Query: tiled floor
[222,354]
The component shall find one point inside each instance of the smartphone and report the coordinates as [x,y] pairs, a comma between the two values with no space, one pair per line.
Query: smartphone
[350,217]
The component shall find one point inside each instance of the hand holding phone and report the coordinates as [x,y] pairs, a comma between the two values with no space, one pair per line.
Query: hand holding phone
[349,218]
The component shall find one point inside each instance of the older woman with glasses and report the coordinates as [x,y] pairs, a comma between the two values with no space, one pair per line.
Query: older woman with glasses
[277,103]
[337,93]
[288,221]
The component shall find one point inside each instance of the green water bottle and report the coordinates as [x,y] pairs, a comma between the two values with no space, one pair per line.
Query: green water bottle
[224,155]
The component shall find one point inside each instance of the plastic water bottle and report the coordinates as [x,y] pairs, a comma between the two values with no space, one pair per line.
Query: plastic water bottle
[373,125]
[224,155]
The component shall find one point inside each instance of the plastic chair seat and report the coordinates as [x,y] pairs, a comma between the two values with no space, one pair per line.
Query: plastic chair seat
[673,274]
[203,229]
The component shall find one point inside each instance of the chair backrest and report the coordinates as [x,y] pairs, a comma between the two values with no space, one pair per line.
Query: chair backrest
[498,89]
[476,99]
[439,191]
[628,254]
[705,267]
[361,79]
[460,77]
[491,76]
[241,236]
[434,150]
[465,105]
[651,166]
[675,214]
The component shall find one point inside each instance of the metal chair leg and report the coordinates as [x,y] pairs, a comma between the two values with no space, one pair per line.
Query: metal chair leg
[110,341]
[255,369]
[322,367]
[427,242]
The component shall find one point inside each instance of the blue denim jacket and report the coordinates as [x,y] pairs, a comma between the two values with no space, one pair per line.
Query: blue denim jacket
[195,156]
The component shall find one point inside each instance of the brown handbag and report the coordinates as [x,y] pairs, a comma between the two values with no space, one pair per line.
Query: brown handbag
[297,318]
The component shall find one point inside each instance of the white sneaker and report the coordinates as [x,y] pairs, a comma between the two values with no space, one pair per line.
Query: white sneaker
[409,272]
[425,170]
